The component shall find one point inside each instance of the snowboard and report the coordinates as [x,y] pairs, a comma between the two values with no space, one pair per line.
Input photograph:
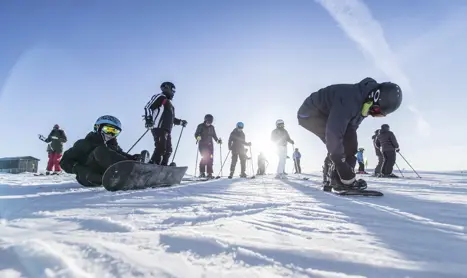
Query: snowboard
[356,192]
[133,175]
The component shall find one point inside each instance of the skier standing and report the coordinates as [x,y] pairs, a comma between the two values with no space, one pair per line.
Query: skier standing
[262,164]
[55,140]
[389,146]
[281,137]
[378,153]
[334,114]
[90,157]
[160,118]
[237,145]
[204,134]
[361,161]
[297,156]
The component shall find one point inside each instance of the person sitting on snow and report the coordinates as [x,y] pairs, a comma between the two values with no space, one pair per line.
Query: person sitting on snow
[90,157]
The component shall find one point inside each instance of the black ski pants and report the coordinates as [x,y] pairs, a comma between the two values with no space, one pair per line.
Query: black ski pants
[261,168]
[344,170]
[235,157]
[163,146]
[90,174]
[207,157]
[361,167]
[389,159]
[298,168]
[380,162]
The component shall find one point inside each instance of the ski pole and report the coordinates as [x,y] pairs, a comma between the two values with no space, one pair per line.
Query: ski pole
[176,148]
[222,166]
[409,165]
[252,166]
[399,170]
[220,154]
[138,140]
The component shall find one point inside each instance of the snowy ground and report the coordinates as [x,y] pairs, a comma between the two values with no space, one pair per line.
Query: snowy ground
[52,227]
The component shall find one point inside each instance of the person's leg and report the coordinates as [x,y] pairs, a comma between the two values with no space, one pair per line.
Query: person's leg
[168,150]
[202,161]
[160,138]
[345,166]
[379,165]
[384,168]
[57,158]
[209,159]
[391,161]
[233,164]
[282,155]
[50,162]
[242,157]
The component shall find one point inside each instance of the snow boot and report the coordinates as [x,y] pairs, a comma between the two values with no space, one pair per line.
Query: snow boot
[356,185]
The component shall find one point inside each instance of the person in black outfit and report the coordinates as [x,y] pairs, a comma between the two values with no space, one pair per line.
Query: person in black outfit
[204,134]
[237,147]
[90,157]
[378,153]
[334,114]
[389,146]
[160,118]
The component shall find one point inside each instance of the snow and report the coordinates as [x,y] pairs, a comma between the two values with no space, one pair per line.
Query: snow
[52,227]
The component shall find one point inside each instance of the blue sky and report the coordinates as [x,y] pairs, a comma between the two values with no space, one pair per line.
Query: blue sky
[69,62]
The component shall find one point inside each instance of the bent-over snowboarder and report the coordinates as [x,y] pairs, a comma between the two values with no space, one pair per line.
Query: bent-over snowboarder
[88,158]
[334,114]
[204,134]
[389,146]
[237,145]
[57,137]
[280,137]
[160,118]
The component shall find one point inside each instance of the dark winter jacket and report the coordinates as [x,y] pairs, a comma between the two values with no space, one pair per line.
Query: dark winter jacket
[207,133]
[376,143]
[80,153]
[297,155]
[56,139]
[237,141]
[387,140]
[340,107]
[162,111]
[280,137]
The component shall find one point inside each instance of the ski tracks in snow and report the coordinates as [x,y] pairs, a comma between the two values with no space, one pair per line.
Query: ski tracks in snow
[52,227]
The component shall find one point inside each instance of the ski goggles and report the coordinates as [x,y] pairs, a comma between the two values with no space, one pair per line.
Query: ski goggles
[375,111]
[281,125]
[110,130]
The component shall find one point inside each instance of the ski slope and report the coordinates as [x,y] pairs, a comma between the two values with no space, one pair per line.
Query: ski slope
[52,227]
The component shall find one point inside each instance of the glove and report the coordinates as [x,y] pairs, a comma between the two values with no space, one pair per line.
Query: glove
[54,137]
[42,138]
[198,138]
[183,123]
[293,143]
[219,141]
[136,157]
[149,122]
[397,150]
[248,144]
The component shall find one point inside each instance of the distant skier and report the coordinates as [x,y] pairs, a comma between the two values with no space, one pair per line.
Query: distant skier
[55,140]
[281,137]
[361,161]
[204,134]
[389,146]
[297,156]
[378,153]
[262,164]
[160,118]
[237,145]
[90,157]
[334,114]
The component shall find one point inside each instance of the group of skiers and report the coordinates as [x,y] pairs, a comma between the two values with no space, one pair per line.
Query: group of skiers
[333,114]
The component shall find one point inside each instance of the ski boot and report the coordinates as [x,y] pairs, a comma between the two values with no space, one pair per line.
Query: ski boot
[231,175]
[356,185]
[326,186]
[210,176]
[242,175]
[389,176]
[202,175]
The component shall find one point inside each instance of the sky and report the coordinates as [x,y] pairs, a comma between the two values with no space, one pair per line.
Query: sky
[69,62]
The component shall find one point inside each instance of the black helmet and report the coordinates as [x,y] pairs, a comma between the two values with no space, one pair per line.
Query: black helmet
[208,118]
[168,89]
[387,99]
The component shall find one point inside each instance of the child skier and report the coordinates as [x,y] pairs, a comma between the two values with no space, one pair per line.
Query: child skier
[160,118]
[204,134]
[281,137]
[297,157]
[237,145]
[90,157]
[361,161]
[334,114]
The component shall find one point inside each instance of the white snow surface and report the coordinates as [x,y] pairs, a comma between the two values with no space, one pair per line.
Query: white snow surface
[50,226]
